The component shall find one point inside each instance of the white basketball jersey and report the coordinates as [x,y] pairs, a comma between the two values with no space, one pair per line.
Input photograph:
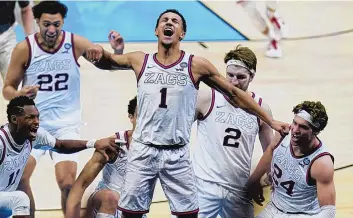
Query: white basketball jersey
[294,189]
[166,101]
[113,173]
[13,157]
[225,143]
[57,73]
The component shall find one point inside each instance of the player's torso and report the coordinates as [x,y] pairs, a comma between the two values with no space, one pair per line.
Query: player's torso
[113,173]
[13,160]
[166,102]
[225,143]
[294,191]
[58,75]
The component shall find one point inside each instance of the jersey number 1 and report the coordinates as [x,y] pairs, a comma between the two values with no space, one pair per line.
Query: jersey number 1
[163,98]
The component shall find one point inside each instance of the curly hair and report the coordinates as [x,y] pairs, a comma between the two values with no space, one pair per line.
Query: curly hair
[316,110]
[49,7]
[131,108]
[243,54]
[15,106]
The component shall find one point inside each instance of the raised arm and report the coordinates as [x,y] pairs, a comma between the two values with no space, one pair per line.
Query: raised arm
[86,177]
[18,63]
[27,17]
[204,70]
[266,133]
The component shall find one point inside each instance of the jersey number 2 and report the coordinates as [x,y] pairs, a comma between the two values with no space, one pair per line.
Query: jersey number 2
[227,139]
[13,178]
[60,82]
[163,98]
[287,185]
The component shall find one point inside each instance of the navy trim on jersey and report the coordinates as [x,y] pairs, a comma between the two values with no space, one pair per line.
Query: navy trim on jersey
[73,50]
[3,154]
[170,65]
[8,139]
[196,83]
[213,99]
[126,136]
[143,68]
[50,52]
[309,180]
[29,55]
[311,152]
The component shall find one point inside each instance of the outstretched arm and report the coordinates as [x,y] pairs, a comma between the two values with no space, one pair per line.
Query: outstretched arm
[204,70]
[265,133]
[86,177]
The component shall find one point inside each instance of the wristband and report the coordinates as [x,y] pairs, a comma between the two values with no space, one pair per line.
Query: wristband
[91,143]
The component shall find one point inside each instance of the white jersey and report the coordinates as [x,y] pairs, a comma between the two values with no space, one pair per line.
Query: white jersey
[13,157]
[57,73]
[113,173]
[294,189]
[166,101]
[225,143]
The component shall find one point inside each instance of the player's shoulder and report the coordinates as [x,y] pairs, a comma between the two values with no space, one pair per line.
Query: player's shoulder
[322,168]
[260,100]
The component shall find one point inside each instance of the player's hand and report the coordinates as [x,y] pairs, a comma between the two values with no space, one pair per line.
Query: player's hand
[255,191]
[116,41]
[108,148]
[94,53]
[281,127]
[30,91]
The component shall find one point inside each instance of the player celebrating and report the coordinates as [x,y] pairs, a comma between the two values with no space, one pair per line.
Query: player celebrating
[15,147]
[47,63]
[225,142]
[159,148]
[301,169]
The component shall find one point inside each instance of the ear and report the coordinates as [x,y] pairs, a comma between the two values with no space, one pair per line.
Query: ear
[156,32]
[14,119]
[182,36]
[251,77]
[37,21]
[130,118]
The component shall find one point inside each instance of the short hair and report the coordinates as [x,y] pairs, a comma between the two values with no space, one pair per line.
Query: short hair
[316,110]
[131,108]
[175,12]
[15,106]
[49,7]
[243,54]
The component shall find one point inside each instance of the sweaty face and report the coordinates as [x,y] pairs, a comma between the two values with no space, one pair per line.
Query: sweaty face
[239,77]
[28,122]
[301,132]
[50,26]
[170,28]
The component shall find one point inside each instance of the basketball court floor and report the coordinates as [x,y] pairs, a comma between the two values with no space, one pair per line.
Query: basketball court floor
[316,65]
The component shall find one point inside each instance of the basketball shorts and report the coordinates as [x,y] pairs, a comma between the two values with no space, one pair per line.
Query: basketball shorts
[7,44]
[15,203]
[270,211]
[64,133]
[173,168]
[215,200]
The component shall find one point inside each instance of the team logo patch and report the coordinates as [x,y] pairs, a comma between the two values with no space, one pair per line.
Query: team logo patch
[183,64]
[305,162]
[67,46]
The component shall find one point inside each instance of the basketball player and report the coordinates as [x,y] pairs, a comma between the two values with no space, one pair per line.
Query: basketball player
[7,29]
[15,147]
[225,142]
[167,84]
[103,202]
[301,168]
[279,27]
[47,63]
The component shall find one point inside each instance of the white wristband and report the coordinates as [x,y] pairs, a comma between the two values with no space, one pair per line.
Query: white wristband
[91,143]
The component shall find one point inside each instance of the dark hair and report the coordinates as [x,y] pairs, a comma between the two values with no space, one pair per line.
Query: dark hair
[316,110]
[49,7]
[131,108]
[175,12]
[15,106]
[243,54]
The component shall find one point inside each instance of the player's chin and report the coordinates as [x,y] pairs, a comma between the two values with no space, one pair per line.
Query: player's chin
[32,135]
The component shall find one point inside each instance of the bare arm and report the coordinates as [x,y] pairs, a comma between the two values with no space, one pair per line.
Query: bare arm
[265,133]
[15,72]
[204,70]
[27,19]
[86,177]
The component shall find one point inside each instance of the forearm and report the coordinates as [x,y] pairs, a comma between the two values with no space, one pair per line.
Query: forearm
[10,92]
[246,102]
[72,146]
[263,166]
[28,21]
[73,203]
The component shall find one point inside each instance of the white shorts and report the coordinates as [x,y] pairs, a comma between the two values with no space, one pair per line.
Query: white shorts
[7,44]
[174,169]
[65,133]
[15,203]
[271,211]
[215,199]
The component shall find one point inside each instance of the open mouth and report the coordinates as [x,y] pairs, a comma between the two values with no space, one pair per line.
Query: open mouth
[168,31]
[295,137]
[33,131]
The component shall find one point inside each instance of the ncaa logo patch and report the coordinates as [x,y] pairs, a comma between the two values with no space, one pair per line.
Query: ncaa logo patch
[183,64]
[67,46]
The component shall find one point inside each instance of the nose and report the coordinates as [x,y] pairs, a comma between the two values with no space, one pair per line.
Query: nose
[51,29]
[36,121]
[235,81]
[295,128]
